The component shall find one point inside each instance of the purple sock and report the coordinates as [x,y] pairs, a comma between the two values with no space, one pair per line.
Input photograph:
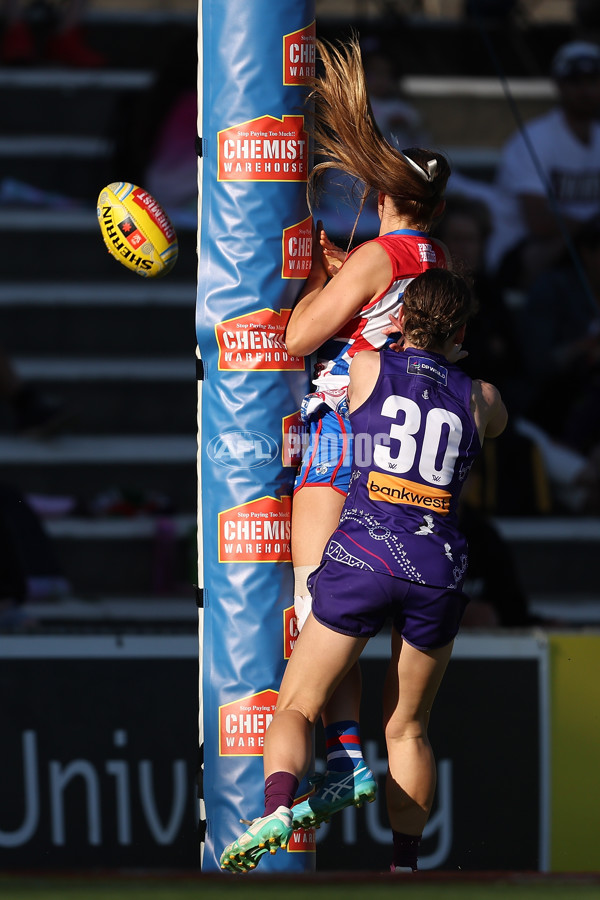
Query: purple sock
[280,790]
[406,850]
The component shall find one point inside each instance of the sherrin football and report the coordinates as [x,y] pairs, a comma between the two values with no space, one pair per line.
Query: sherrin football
[136,229]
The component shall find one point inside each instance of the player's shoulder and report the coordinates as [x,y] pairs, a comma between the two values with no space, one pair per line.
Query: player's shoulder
[411,251]
[375,247]
[488,409]
[484,391]
[365,259]
[364,372]
[365,361]
[488,403]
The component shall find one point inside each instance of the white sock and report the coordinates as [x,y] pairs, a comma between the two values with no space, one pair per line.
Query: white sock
[302,598]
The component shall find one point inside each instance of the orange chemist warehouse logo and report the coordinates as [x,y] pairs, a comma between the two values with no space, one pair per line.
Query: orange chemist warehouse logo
[264,149]
[297,250]
[256,341]
[299,55]
[302,841]
[258,531]
[294,439]
[243,723]
[290,631]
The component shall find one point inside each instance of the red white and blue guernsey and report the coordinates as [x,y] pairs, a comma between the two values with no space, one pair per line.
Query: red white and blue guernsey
[411,252]
[326,460]
[415,440]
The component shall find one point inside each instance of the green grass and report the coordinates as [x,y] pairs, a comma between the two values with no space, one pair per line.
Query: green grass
[251,887]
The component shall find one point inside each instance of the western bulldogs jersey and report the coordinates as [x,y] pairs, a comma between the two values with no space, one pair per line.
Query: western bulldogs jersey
[411,252]
[415,440]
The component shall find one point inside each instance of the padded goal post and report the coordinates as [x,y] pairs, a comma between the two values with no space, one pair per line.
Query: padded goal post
[254,251]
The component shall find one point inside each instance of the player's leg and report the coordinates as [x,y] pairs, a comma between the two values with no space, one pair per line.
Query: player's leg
[320,659]
[319,494]
[318,500]
[351,602]
[412,682]
[315,516]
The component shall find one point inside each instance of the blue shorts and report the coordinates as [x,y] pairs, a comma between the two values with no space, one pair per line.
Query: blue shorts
[327,459]
[357,602]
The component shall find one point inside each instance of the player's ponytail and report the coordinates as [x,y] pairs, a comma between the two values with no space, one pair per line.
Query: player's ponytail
[348,137]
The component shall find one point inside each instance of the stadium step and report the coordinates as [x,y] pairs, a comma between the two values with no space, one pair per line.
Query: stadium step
[66,245]
[554,555]
[144,613]
[65,128]
[132,318]
[121,350]
[177,611]
[87,466]
[106,396]
[150,555]
[152,559]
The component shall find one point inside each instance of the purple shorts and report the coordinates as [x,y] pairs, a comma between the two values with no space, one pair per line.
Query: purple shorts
[357,602]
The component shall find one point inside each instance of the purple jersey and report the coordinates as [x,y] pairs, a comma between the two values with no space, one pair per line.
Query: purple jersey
[415,440]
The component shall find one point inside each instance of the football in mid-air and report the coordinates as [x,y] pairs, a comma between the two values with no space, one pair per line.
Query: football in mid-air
[136,229]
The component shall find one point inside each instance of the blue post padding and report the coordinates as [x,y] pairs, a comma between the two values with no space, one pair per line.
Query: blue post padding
[254,252]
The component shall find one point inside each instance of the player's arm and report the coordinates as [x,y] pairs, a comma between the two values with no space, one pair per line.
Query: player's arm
[364,372]
[324,308]
[489,410]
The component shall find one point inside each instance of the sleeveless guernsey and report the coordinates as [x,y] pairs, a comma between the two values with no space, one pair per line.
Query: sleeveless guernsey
[414,442]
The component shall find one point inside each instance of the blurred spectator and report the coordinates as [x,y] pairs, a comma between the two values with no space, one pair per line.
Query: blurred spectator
[34,414]
[29,567]
[489,9]
[156,135]
[398,120]
[565,145]
[172,172]
[493,602]
[587,16]
[511,477]
[494,350]
[560,331]
[46,31]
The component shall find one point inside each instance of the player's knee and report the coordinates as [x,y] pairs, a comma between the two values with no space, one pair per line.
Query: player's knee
[399,730]
[298,708]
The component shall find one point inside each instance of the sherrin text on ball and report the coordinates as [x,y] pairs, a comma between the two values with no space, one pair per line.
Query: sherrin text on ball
[136,229]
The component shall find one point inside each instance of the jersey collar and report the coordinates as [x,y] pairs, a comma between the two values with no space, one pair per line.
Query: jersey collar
[407,231]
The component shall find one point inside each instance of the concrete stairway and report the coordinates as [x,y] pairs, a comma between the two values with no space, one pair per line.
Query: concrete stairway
[118,350]
[121,351]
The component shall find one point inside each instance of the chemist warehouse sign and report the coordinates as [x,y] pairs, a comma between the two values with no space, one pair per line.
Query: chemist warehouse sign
[258,531]
[264,149]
